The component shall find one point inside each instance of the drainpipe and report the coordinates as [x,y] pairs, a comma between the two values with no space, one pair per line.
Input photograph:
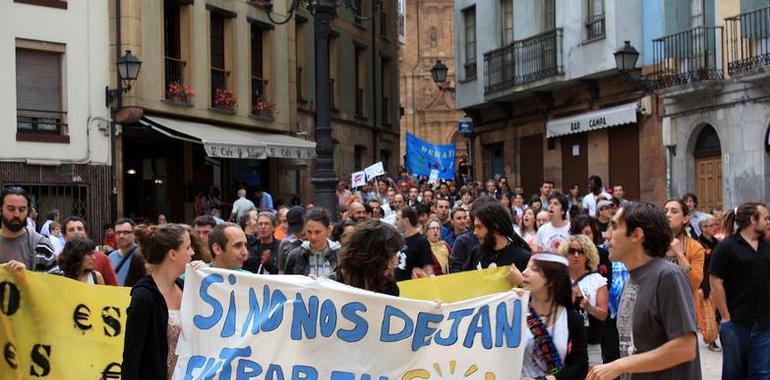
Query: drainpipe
[113,113]
[414,68]
[374,88]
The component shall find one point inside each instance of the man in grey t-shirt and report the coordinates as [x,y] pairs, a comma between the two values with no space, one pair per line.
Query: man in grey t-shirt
[21,247]
[656,318]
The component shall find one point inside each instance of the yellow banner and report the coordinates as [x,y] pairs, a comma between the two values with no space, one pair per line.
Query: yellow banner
[53,327]
[457,287]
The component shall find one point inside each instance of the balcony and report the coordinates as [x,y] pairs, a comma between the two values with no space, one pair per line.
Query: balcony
[174,71]
[688,58]
[218,81]
[595,28]
[524,61]
[39,121]
[748,42]
[260,106]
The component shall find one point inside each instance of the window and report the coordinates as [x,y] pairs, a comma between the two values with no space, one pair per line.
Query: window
[174,65]
[39,101]
[360,65]
[385,86]
[595,21]
[301,48]
[358,11]
[260,104]
[358,157]
[384,19]
[696,13]
[549,15]
[507,24]
[219,73]
[385,158]
[469,17]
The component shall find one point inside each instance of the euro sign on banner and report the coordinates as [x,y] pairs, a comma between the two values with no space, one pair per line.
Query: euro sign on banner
[53,327]
[422,157]
[240,325]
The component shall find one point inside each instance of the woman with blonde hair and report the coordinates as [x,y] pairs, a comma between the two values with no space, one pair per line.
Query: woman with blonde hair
[589,290]
[440,248]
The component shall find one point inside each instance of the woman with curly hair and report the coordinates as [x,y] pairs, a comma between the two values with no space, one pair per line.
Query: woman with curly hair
[368,258]
[589,291]
[77,261]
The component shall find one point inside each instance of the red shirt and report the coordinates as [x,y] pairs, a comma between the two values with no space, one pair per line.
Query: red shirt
[103,265]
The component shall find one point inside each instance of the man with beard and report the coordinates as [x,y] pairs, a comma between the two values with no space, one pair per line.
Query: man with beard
[357,212]
[263,247]
[499,245]
[21,247]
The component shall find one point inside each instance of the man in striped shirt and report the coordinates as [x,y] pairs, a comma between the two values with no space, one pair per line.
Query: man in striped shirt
[20,246]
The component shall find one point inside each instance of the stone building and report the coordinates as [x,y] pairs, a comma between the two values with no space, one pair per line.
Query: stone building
[539,79]
[429,113]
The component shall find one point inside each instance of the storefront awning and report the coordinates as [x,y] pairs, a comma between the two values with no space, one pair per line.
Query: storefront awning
[594,120]
[224,142]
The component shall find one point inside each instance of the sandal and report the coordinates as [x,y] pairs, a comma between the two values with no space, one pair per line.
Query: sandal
[714,348]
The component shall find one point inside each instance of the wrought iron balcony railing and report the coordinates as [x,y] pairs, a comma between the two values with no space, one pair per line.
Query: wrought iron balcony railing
[524,61]
[687,57]
[50,122]
[748,41]
[595,27]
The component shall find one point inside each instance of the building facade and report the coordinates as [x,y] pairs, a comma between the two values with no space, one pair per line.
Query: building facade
[429,112]
[55,136]
[539,80]
[211,110]
[711,66]
[363,64]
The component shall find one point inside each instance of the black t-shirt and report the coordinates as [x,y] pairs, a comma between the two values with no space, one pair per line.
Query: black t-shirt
[511,254]
[415,254]
[745,275]
[603,227]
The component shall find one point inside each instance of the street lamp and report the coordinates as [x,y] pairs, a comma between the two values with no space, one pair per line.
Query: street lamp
[625,62]
[128,71]
[439,72]
[324,179]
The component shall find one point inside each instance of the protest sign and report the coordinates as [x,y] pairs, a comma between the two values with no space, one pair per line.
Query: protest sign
[422,157]
[54,327]
[457,286]
[375,170]
[241,325]
[433,177]
[358,179]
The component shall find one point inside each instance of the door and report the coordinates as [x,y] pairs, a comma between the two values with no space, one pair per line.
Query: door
[708,182]
[624,159]
[531,163]
[494,159]
[574,160]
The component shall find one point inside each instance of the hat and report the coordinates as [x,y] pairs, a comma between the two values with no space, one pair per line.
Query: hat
[295,217]
[551,257]
[603,203]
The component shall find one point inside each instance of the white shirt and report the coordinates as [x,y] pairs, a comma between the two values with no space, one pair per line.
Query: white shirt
[240,206]
[549,238]
[590,285]
[559,333]
[589,201]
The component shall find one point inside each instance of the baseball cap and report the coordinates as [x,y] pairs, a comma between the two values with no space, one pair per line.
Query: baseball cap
[602,204]
[295,217]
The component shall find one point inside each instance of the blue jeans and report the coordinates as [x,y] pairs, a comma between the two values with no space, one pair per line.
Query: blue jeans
[745,352]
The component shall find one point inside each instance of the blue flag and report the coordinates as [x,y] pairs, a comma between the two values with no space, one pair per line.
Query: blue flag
[422,157]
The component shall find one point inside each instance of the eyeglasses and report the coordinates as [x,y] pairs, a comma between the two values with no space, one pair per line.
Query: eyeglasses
[573,251]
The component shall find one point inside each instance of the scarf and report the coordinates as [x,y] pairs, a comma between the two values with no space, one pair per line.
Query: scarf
[546,351]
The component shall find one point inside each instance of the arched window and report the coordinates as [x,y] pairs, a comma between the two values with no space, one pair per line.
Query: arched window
[707,144]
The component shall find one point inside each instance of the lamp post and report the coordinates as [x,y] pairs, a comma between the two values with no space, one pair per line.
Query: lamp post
[465,125]
[438,72]
[324,179]
[625,62]
[128,71]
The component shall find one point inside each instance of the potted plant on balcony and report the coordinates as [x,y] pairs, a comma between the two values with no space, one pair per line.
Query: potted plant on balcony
[179,92]
[263,107]
[225,99]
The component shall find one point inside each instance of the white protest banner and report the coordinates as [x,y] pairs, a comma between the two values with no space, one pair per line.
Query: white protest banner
[358,179]
[239,325]
[374,171]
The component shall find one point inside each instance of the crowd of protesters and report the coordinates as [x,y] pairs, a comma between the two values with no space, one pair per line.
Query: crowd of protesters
[587,260]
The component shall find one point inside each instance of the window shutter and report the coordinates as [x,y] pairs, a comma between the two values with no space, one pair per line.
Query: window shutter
[38,80]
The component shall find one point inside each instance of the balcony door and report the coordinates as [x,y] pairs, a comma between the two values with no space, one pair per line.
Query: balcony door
[708,169]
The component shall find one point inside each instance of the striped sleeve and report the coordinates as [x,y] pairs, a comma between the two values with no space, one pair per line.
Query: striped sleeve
[45,259]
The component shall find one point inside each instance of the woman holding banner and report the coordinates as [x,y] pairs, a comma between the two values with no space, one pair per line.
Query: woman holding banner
[556,339]
[153,322]
[368,259]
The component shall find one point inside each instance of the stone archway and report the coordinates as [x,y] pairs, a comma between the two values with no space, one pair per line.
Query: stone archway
[708,168]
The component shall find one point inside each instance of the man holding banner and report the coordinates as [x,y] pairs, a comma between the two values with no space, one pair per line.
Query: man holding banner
[20,246]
